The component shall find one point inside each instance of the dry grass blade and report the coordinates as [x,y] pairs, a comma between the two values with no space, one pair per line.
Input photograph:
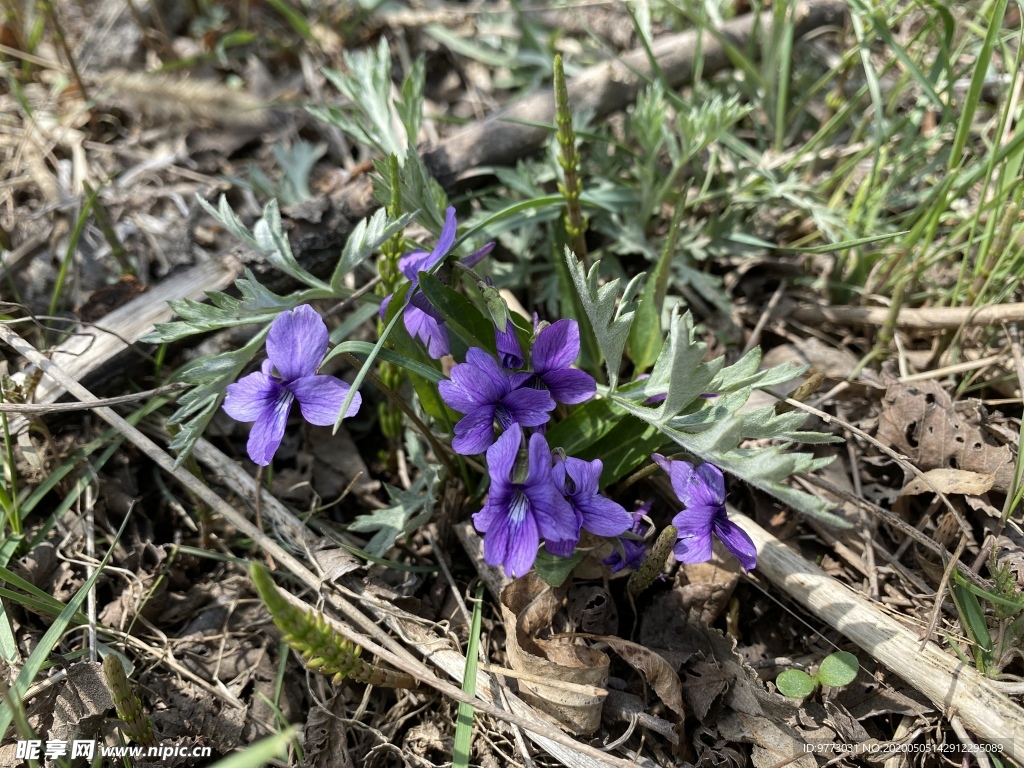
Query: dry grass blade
[43,408]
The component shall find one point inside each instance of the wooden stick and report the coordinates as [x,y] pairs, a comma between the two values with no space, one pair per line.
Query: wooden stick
[924,319]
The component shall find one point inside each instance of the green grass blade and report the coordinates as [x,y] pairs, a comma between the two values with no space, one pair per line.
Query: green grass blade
[260,753]
[49,640]
[464,724]
[970,104]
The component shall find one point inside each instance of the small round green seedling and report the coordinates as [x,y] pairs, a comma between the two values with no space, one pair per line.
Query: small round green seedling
[795,683]
[836,670]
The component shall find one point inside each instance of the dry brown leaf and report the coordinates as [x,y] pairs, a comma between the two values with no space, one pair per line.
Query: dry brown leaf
[658,672]
[528,606]
[950,481]
[923,422]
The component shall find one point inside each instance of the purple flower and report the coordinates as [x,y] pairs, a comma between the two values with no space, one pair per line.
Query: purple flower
[702,491]
[296,346]
[554,351]
[486,393]
[633,551]
[510,351]
[422,321]
[519,511]
[577,480]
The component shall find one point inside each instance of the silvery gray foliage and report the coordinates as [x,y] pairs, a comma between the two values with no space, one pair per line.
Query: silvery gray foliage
[371,117]
[712,428]
[411,508]
[257,305]
[609,317]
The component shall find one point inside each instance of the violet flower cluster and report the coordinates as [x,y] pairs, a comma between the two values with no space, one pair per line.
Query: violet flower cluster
[535,494]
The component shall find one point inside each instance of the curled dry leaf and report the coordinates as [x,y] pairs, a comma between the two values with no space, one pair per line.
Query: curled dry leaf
[528,606]
[658,672]
[950,481]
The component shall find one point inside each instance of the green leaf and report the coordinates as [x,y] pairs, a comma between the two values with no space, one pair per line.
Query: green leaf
[262,752]
[50,639]
[795,683]
[368,117]
[838,669]
[461,316]
[587,424]
[402,361]
[645,333]
[555,570]
[367,236]
[411,509]
[464,724]
[608,316]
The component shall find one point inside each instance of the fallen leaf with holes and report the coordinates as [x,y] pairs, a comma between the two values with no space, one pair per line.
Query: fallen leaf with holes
[922,422]
[528,606]
[948,481]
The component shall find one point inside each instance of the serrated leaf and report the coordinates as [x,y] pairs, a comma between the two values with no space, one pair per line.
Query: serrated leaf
[678,373]
[367,236]
[272,243]
[609,318]
[411,509]
[367,85]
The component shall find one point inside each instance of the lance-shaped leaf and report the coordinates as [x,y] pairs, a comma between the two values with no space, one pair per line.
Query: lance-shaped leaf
[367,237]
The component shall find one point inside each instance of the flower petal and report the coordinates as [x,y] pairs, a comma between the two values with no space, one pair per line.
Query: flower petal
[268,431]
[478,255]
[501,457]
[486,369]
[251,396]
[557,521]
[477,384]
[510,352]
[433,334]
[457,398]
[569,386]
[557,346]
[512,543]
[602,516]
[411,264]
[703,486]
[695,521]
[474,433]
[736,541]
[529,407]
[576,477]
[446,239]
[297,342]
[693,549]
[321,398]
